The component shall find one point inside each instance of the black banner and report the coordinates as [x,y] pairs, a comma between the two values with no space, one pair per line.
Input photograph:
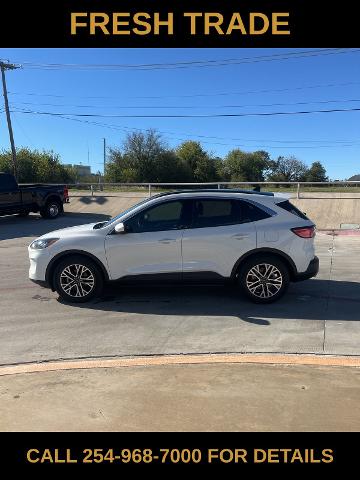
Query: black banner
[239,453]
[186,23]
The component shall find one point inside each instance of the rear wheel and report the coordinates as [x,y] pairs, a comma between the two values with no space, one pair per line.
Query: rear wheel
[264,279]
[77,279]
[52,209]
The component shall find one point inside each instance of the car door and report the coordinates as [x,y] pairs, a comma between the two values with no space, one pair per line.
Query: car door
[220,233]
[10,196]
[151,244]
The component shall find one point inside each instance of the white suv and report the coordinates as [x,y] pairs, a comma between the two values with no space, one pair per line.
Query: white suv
[257,241]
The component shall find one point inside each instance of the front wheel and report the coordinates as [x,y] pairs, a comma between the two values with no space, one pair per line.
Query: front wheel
[264,279]
[77,279]
[52,209]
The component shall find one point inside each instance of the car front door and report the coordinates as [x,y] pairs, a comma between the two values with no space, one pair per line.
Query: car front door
[220,233]
[10,196]
[151,243]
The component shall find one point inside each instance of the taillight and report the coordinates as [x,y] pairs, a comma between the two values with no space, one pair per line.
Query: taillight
[304,232]
[66,192]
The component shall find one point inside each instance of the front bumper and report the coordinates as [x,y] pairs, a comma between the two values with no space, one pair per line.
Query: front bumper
[310,272]
[39,260]
[41,283]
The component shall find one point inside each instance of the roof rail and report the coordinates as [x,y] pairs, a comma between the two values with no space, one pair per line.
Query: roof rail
[213,190]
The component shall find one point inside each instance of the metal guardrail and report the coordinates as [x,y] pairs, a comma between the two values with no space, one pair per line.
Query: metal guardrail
[149,187]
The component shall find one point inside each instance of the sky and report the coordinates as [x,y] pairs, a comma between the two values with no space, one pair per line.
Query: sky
[235,81]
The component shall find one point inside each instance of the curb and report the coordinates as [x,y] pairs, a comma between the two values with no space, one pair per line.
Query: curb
[194,359]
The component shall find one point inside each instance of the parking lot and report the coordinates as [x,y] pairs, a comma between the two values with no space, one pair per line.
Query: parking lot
[318,316]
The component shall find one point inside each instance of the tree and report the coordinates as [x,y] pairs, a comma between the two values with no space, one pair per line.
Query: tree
[316,173]
[354,178]
[288,169]
[35,166]
[240,166]
[199,162]
[144,157]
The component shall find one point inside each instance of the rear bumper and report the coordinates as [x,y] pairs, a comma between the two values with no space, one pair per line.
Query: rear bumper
[310,272]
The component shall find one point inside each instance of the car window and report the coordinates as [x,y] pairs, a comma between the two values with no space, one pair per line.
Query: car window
[252,213]
[215,213]
[166,216]
[222,212]
[7,182]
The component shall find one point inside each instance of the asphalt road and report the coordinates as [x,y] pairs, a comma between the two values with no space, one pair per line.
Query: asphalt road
[317,316]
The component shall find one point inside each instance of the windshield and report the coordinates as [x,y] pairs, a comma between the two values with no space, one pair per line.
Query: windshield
[118,217]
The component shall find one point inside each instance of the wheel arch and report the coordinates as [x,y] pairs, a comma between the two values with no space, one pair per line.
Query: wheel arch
[60,256]
[271,251]
[53,197]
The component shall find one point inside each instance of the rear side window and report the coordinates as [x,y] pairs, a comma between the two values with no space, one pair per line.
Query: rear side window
[215,213]
[222,212]
[251,213]
[289,207]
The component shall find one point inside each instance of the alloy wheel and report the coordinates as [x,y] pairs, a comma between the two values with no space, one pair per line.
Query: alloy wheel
[264,280]
[77,280]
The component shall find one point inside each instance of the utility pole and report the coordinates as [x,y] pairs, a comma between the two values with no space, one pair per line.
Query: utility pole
[9,66]
[104,155]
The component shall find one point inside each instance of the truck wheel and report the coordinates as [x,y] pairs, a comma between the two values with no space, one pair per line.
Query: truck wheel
[264,279]
[77,279]
[51,210]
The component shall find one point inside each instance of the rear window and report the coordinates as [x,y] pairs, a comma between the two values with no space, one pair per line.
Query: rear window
[289,207]
[7,182]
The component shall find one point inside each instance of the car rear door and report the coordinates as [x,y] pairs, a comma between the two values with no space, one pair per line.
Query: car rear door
[220,233]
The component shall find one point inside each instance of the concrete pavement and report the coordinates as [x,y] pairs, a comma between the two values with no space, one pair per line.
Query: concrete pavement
[221,397]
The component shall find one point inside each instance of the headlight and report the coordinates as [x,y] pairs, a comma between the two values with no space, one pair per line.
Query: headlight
[43,243]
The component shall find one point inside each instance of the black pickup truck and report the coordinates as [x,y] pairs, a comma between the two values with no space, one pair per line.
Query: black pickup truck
[22,199]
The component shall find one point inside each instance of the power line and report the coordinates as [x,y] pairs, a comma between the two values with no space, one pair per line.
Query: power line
[212,115]
[23,131]
[249,92]
[192,134]
[125,129]
[193,63]
[191,107]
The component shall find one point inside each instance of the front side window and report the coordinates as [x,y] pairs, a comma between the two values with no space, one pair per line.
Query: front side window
[166,216]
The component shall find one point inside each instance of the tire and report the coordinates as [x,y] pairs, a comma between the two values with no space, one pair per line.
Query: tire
[52,209]
[77,291]
[264,278]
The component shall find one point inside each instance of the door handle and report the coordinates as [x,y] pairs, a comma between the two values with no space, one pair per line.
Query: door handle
[240,236]
[167,240]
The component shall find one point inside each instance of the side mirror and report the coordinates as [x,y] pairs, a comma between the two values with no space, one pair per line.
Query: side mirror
[120,228]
